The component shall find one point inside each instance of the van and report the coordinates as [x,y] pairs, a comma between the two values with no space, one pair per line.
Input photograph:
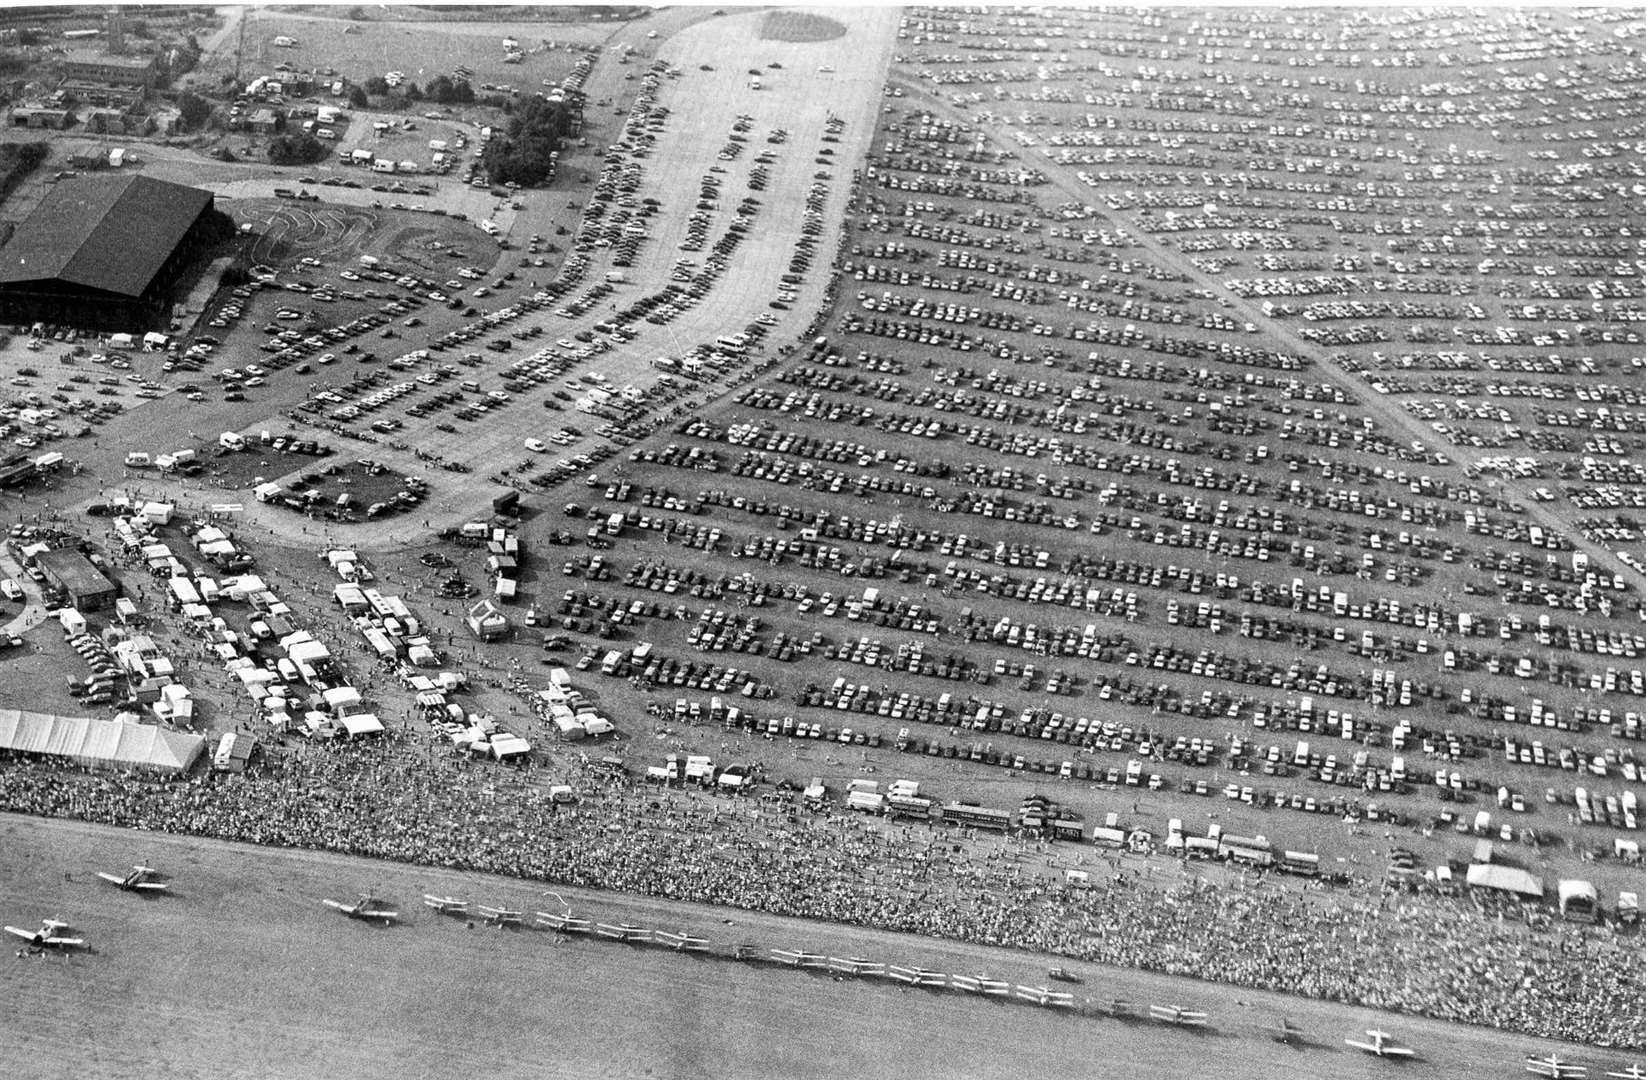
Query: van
[138,460]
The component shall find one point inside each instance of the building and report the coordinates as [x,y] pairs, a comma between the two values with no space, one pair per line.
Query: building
[32,116]
[104,253]
[117,122]
[72,572]
[86,66]
[263,122]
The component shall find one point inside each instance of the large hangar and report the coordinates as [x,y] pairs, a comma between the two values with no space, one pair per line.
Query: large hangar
[103,253]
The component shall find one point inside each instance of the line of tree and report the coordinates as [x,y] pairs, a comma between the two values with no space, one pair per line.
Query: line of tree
[522,155]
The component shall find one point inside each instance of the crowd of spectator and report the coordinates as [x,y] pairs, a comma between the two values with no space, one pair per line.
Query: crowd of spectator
[1421,954]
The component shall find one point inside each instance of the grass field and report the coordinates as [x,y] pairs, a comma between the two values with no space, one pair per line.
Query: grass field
[241,972]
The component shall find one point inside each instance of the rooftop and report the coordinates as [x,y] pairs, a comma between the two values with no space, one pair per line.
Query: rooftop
[109,233]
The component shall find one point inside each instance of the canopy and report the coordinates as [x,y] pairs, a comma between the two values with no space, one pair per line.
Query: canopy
[362,724]
[1508,879]
[99,743]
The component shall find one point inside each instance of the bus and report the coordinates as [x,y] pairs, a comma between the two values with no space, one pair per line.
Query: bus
[1253,851]
[976,817]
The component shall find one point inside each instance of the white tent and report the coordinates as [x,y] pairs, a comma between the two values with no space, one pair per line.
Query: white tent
[362,724]
[99,743]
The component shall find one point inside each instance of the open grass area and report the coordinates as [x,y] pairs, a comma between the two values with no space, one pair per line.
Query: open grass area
[799,27]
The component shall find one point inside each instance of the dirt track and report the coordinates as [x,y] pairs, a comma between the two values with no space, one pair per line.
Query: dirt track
[243,973]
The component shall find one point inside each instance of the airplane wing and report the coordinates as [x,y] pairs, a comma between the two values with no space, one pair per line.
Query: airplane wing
[557,921]
[112,879]
[151,886]
[964,982]
[673,941]
[26,935]
[338,905]
[65,942]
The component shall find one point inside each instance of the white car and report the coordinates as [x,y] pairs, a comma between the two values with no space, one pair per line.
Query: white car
[10,589]
[536,446]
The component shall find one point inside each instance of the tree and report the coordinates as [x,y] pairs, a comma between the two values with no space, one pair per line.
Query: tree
[296,148]
[449,91]
[376,86]
[524,155]
[412,92]
[195,110]
[357,98]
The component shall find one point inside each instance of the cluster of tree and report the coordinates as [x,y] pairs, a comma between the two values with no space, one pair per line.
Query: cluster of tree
[296,148]
[523,154]
[448,91]
[177,61]
[194,109]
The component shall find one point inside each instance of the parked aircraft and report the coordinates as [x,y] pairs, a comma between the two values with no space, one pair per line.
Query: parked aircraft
[1380,1044]
[1554,1067]
[49,936]
[681,942]
[446,905]
[1176,1014]
[501,916]
[566,924]
[366,908]
[140,879]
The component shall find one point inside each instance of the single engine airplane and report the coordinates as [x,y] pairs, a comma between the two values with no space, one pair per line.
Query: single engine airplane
[49,936]
[367,908]
[140,879]
[1380,1044]
[446,905]
[500,916]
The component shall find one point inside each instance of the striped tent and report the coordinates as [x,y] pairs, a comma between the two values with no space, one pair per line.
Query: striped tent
[100,744]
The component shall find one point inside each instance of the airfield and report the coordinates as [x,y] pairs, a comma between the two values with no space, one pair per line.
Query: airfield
[225,976]
[1201,463]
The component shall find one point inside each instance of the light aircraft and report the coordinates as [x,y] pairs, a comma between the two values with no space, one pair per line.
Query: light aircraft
[993,987]
[784,956]
[1288,1032]
[1045,995]
[1176,1014]
[140,879]
[813,960]
[367,908]
[566,924]
[856,965]
[446,905]
[1633,1072]
[902,974]
[1064,975]
[500,916]
[623,932]
[1121,1008]
[966,983]
[681,942]
[49,936]
[1553,1067]
[1380,1044]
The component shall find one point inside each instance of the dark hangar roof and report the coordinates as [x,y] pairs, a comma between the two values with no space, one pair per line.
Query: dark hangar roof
[109,233]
